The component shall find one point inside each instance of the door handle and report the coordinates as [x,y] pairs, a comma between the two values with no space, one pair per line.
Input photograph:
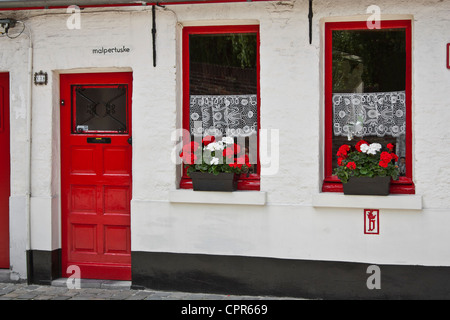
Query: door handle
[130,140]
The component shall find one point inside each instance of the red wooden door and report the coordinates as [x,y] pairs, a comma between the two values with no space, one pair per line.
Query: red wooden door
[4,170]
[96,174]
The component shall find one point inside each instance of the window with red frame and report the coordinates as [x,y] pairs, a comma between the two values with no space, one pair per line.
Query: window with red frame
[368,93]
[221,90]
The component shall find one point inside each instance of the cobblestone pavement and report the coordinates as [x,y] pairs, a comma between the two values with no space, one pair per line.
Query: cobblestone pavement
[105,290]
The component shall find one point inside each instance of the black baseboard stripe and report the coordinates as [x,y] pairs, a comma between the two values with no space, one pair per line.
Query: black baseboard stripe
[284,277]
[43,266]
[241,275]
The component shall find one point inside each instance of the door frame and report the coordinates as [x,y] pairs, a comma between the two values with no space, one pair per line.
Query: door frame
[90,78]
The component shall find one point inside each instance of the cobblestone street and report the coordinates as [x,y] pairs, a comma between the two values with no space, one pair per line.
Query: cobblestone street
[105,290]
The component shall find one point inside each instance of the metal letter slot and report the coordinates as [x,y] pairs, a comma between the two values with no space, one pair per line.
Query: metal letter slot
[98,140]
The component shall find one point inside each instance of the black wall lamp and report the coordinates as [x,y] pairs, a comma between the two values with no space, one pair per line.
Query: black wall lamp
[6,24]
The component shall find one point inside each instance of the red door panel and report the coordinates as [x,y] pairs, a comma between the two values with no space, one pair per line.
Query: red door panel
[4,170]
[96,174]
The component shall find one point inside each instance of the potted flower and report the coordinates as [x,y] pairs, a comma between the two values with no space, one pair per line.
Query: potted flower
[366,169]
[214,165]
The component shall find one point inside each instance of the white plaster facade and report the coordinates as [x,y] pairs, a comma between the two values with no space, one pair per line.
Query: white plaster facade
[289,217]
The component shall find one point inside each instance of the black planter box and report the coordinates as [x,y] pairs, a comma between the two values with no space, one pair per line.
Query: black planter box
[378,186]
[203,181]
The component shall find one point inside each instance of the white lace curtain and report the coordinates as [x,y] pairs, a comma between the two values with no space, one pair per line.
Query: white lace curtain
[223,115]
[369,114]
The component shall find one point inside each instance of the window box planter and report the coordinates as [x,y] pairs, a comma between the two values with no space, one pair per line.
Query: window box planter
[377,186]
[204,181]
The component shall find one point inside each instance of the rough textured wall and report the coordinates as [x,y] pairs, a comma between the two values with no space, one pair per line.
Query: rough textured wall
[291,102]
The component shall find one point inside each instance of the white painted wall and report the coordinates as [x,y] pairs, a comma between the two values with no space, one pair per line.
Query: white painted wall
[14,59]
[291,224]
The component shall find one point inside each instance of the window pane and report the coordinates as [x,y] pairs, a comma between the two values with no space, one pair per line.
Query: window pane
[369,60]
[223,85]
[369,79]
[100,108]
[223,88]
[222,64]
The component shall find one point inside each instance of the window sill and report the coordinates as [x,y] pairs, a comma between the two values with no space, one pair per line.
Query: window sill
[392,201]
[214,197]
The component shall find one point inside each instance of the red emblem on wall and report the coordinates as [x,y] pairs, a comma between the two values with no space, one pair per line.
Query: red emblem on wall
[371,221]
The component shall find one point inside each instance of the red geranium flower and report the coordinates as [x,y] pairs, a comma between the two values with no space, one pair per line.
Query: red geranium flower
[240,161]
[351,165]
[188,158]
[191,147]
[244,159]
[342,152]
[383,164]
[358,145]
[390,146]
[228,152]
[208,139]
[231,150]
[394,157]
[385,156]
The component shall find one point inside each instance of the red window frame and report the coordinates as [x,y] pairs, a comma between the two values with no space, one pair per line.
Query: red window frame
[331,183]
[252,182]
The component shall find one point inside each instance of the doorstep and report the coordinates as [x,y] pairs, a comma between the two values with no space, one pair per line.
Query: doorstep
[94,283]
[5,275]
